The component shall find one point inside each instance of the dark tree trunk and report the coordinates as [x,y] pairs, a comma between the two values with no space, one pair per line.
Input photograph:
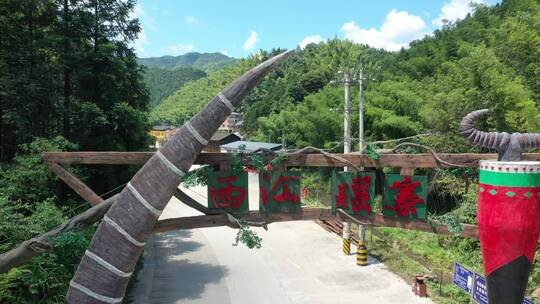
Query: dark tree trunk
[67,73]
[105,269]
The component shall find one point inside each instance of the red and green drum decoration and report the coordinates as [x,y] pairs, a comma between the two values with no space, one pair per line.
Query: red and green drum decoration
[279,192]
[405,196]
[353,192]
[509,224]
[228,191]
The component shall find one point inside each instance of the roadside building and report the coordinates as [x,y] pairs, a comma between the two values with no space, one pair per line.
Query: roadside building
[221,137]
[250,146]
[233,123]
[160,132]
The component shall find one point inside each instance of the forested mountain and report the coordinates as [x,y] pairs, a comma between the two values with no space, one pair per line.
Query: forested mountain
[488,60]
[163,82]
[208,62]
[69,80]
[185,102]
[167,74]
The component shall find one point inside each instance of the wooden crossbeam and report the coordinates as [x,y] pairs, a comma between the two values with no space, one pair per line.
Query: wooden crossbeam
[296,160]
[307,214]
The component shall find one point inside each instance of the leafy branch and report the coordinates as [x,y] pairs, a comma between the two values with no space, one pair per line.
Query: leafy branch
[247,236]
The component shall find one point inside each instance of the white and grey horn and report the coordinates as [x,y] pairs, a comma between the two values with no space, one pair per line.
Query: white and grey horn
[509,146]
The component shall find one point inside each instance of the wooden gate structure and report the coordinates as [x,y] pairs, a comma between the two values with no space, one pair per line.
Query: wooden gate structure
[407,162]
[132,215]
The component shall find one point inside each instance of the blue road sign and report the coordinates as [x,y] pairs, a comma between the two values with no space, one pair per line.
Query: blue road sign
[463,278]
[479,293]
[528,301]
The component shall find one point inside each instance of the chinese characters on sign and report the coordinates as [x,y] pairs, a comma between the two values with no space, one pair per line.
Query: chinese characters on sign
[279,192]
[474,284]
[353,192]
[229,192]
[405,196]
[480,289]
[463,278]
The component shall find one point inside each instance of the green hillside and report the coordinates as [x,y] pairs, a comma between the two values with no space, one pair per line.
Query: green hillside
[163,82]
[185,102]
[208,62]
[488,60]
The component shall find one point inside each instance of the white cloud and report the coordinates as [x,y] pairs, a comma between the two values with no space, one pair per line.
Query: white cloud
[146,20]
[399,28]
[310,39]
[181,49]
[224,52]
[455,9]
[139,43]
[191,20]
[251,41]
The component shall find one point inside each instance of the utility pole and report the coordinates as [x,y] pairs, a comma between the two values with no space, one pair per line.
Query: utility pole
[347,113]
[361,109]
[361,146]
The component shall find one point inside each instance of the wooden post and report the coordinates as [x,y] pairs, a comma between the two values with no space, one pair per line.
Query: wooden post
[407,171]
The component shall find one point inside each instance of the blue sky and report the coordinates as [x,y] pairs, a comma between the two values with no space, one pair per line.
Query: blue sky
[239,28]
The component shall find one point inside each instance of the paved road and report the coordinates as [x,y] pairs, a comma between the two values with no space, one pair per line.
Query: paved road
[298,263]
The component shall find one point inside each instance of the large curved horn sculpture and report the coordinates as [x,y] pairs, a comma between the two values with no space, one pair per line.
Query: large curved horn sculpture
[509,146]
[108,263]
[508,210]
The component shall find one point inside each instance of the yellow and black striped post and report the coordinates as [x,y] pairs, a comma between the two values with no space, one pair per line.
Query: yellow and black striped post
[346,238]
[361,251]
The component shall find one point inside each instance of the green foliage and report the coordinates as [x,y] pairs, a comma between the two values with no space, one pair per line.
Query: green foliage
[371,151]
[68,80]
[66,68]
[207,62]
[197,177]
[194,95]
[28,169]
[450,220]
[278,159]
[247,236]
[163,82]
[28,207]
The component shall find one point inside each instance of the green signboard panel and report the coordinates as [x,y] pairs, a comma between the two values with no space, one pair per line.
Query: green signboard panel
[405,196]
[228,191]
[279,192]
[354,192]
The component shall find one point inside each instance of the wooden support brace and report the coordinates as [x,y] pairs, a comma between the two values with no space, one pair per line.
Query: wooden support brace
[76,184]
[189,201]
[203,221]
[307,214]
[469,231]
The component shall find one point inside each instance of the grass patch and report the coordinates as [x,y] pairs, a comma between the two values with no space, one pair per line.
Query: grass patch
[408,253]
